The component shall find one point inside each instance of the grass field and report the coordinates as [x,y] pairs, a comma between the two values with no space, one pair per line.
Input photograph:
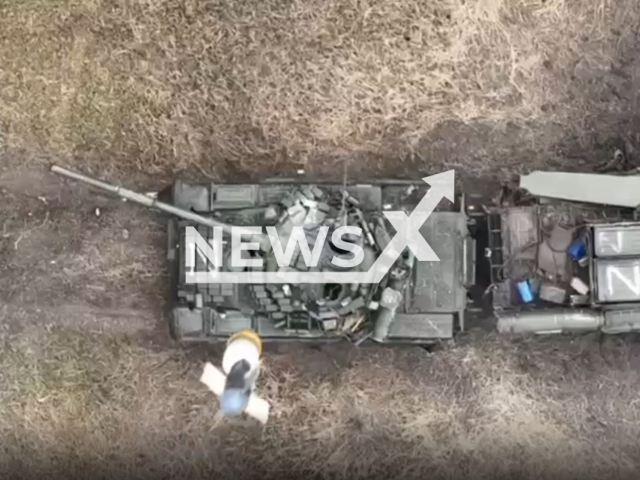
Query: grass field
[236,87]
[138,90]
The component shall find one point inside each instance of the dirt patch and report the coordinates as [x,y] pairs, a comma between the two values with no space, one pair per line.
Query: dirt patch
[67,249]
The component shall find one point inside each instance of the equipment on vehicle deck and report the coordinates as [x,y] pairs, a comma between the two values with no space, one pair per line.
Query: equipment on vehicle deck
[581,259]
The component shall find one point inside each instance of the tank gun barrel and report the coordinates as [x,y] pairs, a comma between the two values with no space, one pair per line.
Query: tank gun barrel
[146,200]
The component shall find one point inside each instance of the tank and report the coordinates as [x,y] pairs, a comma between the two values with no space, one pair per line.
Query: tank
[390,262]
[414,302]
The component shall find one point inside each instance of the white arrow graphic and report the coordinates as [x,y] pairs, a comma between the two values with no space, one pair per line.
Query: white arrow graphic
[408,227]
[407,236]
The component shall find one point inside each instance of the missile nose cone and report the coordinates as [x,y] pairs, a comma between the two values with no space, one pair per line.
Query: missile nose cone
[234,401]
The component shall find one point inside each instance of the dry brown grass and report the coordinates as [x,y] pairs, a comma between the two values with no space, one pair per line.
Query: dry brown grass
[242,86]
[83,406]
[237,86]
